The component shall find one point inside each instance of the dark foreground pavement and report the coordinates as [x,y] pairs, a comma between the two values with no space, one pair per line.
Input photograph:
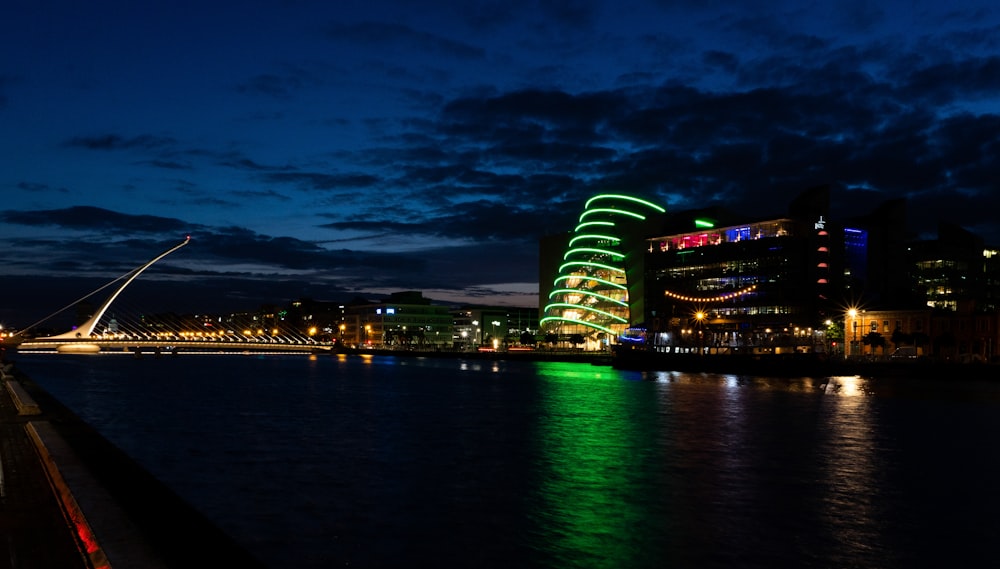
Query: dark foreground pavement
[69,498]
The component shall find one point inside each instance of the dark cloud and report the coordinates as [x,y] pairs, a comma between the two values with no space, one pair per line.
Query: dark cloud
[223,268]
[33,187]
[728,62]
[321,180]
[88,218]
[243,163]
[261,194]
[117,142]
[307,180]
[974,39]
[168,165]
[448,267]
[238,245]
[271,85]
[564,115]
[479,221]
[216,246]
[579,14]
[860,15]
[945,83]
[790,127]
[382,34]
[284,84]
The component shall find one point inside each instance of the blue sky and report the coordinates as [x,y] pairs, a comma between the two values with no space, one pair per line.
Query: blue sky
[333,149]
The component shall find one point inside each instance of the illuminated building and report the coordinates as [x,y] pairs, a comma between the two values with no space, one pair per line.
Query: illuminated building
[596,291]
[403,320]
[719,281]
[955,314]
[493,327]
[952,269]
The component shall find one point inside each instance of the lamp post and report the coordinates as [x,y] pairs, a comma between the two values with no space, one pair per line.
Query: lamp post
[699,317]
[496,344]
[476,338]
[854,324]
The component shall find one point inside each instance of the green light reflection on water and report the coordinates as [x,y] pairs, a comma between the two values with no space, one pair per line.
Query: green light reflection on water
[592,507]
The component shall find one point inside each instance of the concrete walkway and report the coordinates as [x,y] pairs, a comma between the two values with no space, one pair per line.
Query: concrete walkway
[69,498]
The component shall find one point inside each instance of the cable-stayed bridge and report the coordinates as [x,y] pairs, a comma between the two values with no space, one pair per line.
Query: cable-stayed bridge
[124,331]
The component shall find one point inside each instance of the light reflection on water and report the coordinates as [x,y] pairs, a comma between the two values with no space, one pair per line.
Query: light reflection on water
[591,501]
[399,462]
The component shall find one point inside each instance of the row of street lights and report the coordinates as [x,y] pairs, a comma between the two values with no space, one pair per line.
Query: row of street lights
[700,316]
[477,338]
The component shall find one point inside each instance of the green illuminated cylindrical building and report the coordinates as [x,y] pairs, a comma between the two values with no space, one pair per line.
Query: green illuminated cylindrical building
[597,293]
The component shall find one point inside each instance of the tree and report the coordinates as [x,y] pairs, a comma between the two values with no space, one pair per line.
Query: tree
[527,338]
[900,338]
[835,331]
[551,339]
[874,340]
[576,339]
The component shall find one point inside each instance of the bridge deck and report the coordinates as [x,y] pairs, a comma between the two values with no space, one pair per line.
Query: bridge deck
[159,346]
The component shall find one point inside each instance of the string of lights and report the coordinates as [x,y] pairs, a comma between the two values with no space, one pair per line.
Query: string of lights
[719,298]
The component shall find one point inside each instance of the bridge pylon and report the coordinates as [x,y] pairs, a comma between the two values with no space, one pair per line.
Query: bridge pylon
[77,337]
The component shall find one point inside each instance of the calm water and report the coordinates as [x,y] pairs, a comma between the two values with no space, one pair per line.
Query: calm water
[391,462]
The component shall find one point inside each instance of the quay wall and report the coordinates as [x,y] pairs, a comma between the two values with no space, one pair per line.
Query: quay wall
[131,519]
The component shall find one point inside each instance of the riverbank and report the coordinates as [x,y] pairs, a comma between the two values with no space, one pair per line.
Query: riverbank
[575,356]
[789,365]
[800,365]
[116,513]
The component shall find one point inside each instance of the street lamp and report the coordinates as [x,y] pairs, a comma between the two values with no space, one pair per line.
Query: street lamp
[827,343]
[699,318]
[853,313]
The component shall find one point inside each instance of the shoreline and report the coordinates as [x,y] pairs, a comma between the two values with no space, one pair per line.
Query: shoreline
[792,365]
[784,365]
[118,511]
[801,365]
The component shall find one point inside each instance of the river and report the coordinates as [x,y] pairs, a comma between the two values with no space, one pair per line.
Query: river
[327,461]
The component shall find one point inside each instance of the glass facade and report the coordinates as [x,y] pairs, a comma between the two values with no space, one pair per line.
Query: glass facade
[855,256]
[748,232]
[736,286]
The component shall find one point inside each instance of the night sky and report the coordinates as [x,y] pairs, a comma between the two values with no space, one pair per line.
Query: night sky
[330,149]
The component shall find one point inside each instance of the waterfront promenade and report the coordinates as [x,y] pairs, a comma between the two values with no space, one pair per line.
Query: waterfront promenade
[69,498]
